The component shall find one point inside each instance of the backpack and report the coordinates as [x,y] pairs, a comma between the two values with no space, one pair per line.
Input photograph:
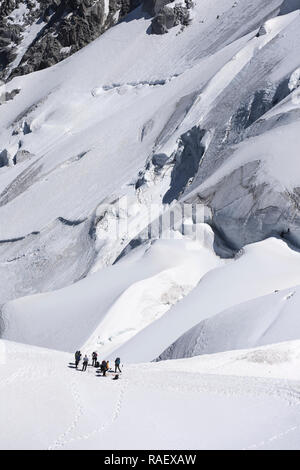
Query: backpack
[117,361]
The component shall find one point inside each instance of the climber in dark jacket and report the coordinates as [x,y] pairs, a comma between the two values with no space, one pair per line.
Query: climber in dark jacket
[104,367]
[94,358]
[117,364]
[77,358]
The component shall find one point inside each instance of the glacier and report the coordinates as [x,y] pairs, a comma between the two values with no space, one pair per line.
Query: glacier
[119,120]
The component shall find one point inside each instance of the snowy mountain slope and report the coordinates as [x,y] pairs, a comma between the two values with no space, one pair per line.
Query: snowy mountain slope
[138,178]
[253,188]
[129,307]
[68,144]
[265,320]
[113,304]
[254,394]
[262,268]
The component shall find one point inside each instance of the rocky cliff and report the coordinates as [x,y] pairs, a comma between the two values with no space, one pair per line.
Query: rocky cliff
[37,34]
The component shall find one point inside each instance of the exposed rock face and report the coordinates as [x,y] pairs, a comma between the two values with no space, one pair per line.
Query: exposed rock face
[5,158]
[22,156]
[152,7]
[48,31]
[248,201]
[187,159]
[246,210]
[12,28]
[167,15]
[6,96]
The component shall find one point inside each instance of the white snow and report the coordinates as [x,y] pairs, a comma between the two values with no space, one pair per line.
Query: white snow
[66,119]
[106,8]
[17,16]
[65,50]
[91,124]
[269,149]
[264,320]
[260,270]
[242,400]
[113,304]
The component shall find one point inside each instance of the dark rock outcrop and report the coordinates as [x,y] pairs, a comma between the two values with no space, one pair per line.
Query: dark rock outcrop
[5,158]
[22,156]
[152,7]
[166,17]
[65,27]
[7,96]
[187,159]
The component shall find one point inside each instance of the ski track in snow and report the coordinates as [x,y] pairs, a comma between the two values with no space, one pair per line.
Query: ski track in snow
[288,394]
[272,438]
[146,377]
[294,394]
[62,441]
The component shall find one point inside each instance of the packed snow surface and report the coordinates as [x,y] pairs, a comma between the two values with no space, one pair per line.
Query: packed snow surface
[242,400]
[260,269]
[264,320]
[113,304]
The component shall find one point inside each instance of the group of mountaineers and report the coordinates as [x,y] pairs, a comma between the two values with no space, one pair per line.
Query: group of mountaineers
[104,366]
